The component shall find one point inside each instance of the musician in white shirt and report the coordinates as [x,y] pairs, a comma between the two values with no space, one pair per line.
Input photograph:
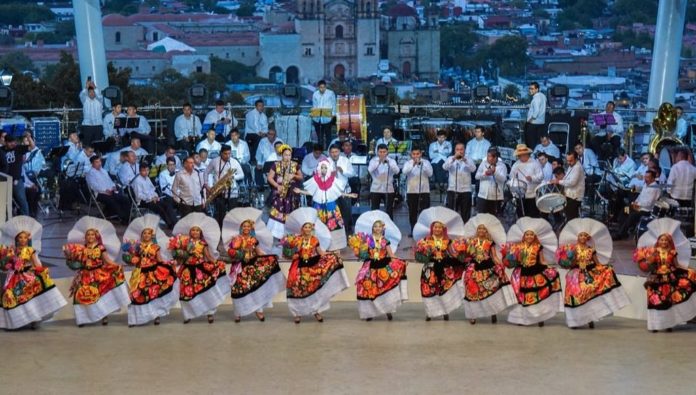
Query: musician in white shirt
[588,160]
[477,148]
[220,120]
[187,189]
[624,166]
[265,149]
[418,171]
[637,182]
[170,152]
[546,168]
[526,175]
[491,174]
[574,186]
[129,170]
[438,151]
[641,207]
[166,178]
[310,161]
[682,126]
[142,131]
[136,147]
[536,115]
[681,179]
[388,140]
[113,122]
[92,109]
[548,147]
[323,99]
[345,171]
[146,197]
[187,128]
[256,126]
[359,164]
[607,139]
[382,168]
[240,152]
[209,143]
[459,168]
[106,192]
[218,168]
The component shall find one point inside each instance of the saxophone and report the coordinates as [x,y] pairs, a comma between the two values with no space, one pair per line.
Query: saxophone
[221,185]
[287,179]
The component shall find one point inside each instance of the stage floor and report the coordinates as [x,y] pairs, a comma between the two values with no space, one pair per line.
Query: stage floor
[344,355]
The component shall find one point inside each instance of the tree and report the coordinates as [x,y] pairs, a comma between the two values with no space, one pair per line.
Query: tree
[455,43]
[232,71]
[579,13]
[64,78]
[510,53]
[19,13]
[123,7]
[511,90]
[247,8]
[18,61]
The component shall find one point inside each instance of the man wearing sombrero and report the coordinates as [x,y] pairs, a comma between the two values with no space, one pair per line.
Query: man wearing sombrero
[525,176]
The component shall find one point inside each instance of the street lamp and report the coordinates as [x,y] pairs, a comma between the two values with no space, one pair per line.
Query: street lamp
[6,77]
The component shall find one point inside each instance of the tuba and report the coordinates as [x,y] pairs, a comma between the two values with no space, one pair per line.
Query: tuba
[221,185]
[664,125]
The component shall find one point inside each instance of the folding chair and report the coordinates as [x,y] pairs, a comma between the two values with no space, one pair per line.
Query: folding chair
[559,134]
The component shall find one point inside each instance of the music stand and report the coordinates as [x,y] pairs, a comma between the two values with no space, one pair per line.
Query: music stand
[132,123]
[603,120]
[58,152]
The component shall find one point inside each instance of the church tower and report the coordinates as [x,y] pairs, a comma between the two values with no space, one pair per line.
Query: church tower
[309,24]
[367,37]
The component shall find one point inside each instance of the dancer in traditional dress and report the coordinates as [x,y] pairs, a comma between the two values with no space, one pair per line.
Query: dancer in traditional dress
[154,288]
[592,290]
[440,281]
[256,276]
[381,282]
[29,295]
[531,243]
[99,287]
[203,281]
[487,289]
[663,252]
[325,188]
[283,178]
[315,276]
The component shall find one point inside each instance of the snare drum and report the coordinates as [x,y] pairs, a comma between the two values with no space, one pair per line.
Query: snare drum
[661,209]
[550,198]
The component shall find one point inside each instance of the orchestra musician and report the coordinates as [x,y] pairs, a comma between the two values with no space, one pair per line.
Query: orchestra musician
[310,161]
[382,169]
[418,171]
[92,109]
[146,196]
[589,163]
[255,128]
[187,189]
[573,186]
[129,169]
[388,140]
[220,120]
[354,181]
[166,179]
[209,143]
[438,152]
[344,169]
[636,183]
[342,136]
[141,131]
[491,174]
[681,178]
[459,168]
[107,193]
[265,149]
[323,103]
[187,128]
[525,175]
[548,147]
[113,122]
[218,167]
[641,207]
[682,126]
[170,152]
[240,151]
[607,139]
[546,167]
[136,147]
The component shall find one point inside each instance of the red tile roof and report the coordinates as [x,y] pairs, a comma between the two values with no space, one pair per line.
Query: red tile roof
[220,39]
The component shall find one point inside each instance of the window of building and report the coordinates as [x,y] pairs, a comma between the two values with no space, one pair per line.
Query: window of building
[118,38]
[199,69]
[227,55]
[155,36]
[242,53]
[339,31]
[308,51]
[153,68]
[370,51]
[137,68]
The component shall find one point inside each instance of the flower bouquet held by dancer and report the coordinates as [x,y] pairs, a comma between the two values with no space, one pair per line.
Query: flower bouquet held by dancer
[99,287]
[29,295]
[663,252]
[530,244]
[255,276]
[381,281]
[315,276]
[440,281]
[487,289]
[326,188]
[203,283]
[154,288]
[283,178]
[592,290]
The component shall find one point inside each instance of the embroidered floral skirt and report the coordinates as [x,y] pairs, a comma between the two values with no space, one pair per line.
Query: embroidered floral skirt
[313,282]
[591,294]
[255,284]
[440,285]
[29,296]
[381,286]
[203,287]
[98,292]
[670,298]
[487,290]
[154,291]
[537,289]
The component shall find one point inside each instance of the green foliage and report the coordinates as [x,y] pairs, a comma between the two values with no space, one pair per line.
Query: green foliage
[65,31]
[247,8]
[630,39]
[123,7]
[455,43]
[18,13]
[64,77]
[232,72]
[579,13]
[511,90]
[18,61]
[510,53]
